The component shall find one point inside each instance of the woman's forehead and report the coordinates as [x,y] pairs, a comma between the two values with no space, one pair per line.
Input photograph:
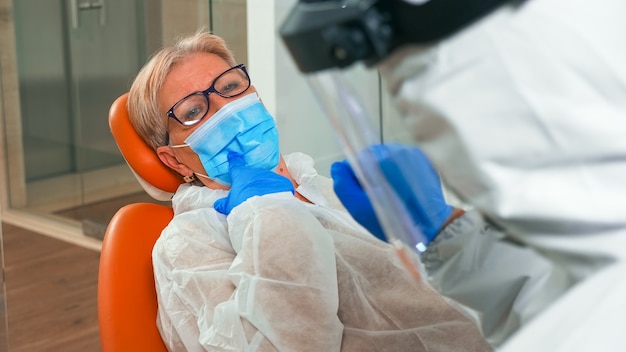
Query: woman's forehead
[199,66]
[192,74]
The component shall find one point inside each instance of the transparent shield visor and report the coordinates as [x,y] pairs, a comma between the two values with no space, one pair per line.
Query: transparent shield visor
[355,134]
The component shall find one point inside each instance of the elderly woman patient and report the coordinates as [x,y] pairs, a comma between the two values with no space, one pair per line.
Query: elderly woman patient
[260,254]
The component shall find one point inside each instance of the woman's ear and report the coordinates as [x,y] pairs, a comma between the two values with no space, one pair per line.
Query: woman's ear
[167,156]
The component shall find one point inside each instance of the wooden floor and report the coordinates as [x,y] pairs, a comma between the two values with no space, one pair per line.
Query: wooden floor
[51,289]
[52,285]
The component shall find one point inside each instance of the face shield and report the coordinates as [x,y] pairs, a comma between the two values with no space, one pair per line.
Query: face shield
[352,126]
[324,36]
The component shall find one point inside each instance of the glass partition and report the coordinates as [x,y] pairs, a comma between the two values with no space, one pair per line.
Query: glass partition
[67,176]
[63,162]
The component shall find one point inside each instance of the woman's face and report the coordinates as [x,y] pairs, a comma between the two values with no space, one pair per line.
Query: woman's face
[191,75]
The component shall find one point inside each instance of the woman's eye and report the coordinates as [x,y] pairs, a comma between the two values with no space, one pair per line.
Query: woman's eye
[191,110]
[230,87]
[192,114]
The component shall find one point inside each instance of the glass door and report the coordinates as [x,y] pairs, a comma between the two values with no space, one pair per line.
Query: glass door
[71,60]
[100,65]
[74,58]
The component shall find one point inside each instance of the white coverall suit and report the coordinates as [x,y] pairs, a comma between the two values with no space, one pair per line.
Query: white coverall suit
[279,274]
[524,115]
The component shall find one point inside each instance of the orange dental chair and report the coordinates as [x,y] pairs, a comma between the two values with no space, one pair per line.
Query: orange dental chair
[127,301]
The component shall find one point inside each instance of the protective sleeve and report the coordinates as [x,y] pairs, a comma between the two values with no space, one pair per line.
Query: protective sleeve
[478,267]
[274,289]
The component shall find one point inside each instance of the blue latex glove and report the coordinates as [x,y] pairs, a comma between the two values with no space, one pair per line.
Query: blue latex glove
[249,182]
[354,198]
[421,194]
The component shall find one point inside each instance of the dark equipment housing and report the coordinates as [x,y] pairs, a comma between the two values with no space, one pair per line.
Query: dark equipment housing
[323,34]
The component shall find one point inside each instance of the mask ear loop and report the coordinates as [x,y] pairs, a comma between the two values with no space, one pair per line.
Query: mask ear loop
[202,175]
[192,178]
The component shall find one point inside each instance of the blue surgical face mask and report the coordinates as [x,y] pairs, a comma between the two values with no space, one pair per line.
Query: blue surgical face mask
[243,126]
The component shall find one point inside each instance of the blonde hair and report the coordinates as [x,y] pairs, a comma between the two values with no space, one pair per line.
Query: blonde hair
[143,106]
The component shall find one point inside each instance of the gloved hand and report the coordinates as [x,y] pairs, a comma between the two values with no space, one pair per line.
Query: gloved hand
[421,193]
[354,198]
[248,182]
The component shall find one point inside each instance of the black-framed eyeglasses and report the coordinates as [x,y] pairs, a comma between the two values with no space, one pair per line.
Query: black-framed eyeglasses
[193,108]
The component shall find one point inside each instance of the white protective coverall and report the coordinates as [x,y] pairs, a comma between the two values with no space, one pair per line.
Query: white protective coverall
[524,115]
[279,274]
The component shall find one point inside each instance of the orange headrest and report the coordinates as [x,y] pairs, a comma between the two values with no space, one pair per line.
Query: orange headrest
[158,180]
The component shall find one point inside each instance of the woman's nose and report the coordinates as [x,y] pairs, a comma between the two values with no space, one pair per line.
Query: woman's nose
[216,102]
